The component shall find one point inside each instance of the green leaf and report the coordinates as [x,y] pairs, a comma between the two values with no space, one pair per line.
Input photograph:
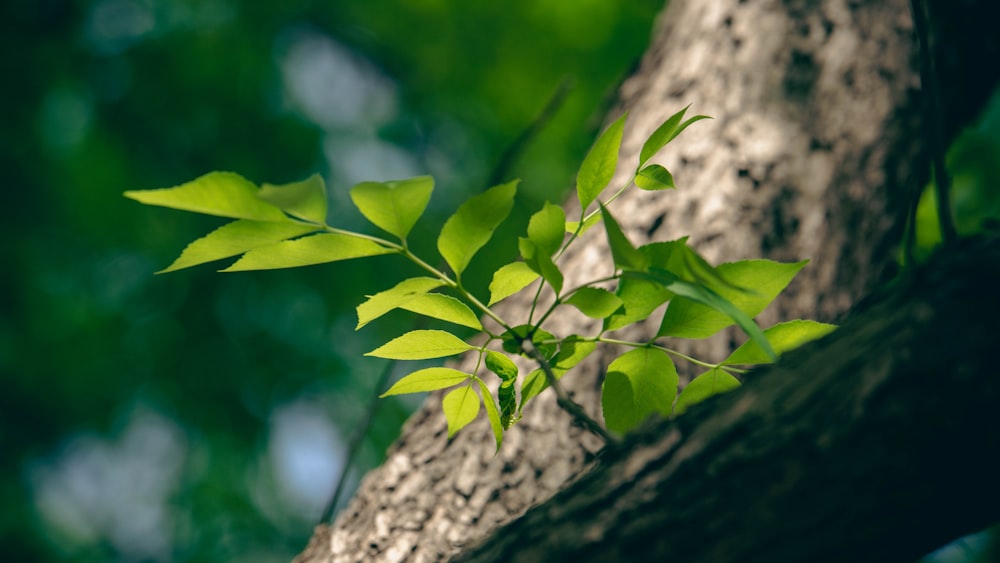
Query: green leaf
[510,279]
[654,177]
[539,337]
[384,301]
[471,227]
[217,193]
[595,303]
[508,405]
[783,337]
[763,280]
[492,414]
[235,238]
[443,307]
[305,199]
[625,255]
[421,345]
[599,165]
[666,132]
[547,228]
[572,351]
[639,383]
[541,263]
[501,365]
[306,251]
[461,407]
[429,379]
[712,382]
[571,226]
[639,299]
[393,206]
[705,296]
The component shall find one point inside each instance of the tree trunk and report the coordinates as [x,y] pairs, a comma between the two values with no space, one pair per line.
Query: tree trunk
[808,156]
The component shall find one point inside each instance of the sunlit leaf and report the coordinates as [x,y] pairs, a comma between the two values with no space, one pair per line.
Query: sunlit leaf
[443,307]
[783,337]
[547,228]
[595,303]
[623,253]
[510,279]
[639,383]
[471,227]
[429,379]
[217,193]
[501,365]
[461,406]
[393,206]
[421,345]
[600,163]
[712,382]
[666,132]
[639,298]
[540,262]
[236,238]
[305,199]
[315,249]
[492,413]
[763,280]
[384,301]
[654,177]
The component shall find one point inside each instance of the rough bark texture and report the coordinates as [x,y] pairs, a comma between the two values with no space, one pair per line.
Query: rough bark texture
[806,158]
[879,443]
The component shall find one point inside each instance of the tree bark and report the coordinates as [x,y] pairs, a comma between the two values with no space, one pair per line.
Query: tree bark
[808,156]
[878,443]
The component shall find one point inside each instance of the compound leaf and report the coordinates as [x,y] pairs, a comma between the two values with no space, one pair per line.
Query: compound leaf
[429,379]
[393,206]
[421,345]
[235,238]
[305,199]
[224,194]
[384,301]
[443,307]
[639,383]
[510,279]
[783,337]
[712,382]
[461,406]
[595,303]
[599,165]
[472,225]
[306,251]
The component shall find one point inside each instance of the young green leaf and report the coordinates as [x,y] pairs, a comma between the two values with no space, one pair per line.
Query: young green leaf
[393,206]
[712,382]
[639,383]
[384,301]
[443,307]
[471,227]
[654,177]
[235,238]
[572,351]
[539,261]
[461,406]
[492,413]
[625,255]
[547,228]
[421,345]
[501,365]
[595,303]
[510,279]
[599,165]
[306,251]
[763,280]
[305,199]
[639,298]
[666,132]
[783,337]
[217,193]
[429,379]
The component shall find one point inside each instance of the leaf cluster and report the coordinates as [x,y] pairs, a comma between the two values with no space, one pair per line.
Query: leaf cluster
[284,226]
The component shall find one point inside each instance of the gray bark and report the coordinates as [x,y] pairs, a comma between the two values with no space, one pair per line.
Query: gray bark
[806,157]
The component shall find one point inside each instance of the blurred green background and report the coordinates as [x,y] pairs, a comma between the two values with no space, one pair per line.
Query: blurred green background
[199,416]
